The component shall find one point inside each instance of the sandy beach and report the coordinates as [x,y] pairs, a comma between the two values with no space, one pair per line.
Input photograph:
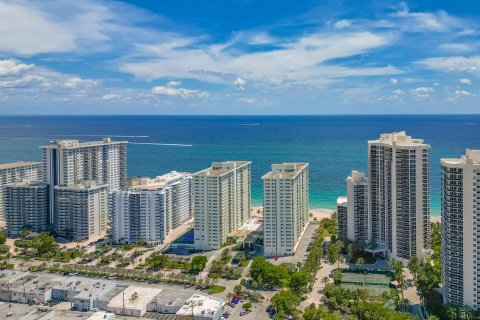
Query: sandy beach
[320,214]
[313,213]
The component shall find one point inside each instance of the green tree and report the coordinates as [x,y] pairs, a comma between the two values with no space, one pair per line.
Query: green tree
[432,317]
[466,313]
[43,243]
[414,267]
[3,237]
[285,302]
[198,263]
[157,261]
[299,282]
[452,313]
[247,306]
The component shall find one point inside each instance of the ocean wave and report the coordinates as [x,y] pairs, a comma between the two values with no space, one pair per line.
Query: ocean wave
[163,144]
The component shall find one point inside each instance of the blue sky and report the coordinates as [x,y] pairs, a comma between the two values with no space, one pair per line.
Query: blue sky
[239,57]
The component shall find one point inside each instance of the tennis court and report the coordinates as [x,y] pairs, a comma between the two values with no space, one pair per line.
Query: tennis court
[373,282]
[374,289]
[360,278]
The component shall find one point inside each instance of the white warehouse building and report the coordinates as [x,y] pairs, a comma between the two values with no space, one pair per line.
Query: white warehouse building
[151,208]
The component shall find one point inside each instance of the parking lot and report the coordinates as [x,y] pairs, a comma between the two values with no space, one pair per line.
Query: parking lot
[158,316]
[300,254]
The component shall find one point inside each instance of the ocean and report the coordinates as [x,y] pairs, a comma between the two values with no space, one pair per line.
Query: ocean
[333,145]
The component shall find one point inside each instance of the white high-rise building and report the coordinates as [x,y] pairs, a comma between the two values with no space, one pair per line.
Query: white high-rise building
[26,207]
[357,217]
[151,208]
[460,190]
[81,210]
[70,162]
[342,218]
[221,202]
[17,172]
[399,194]
[285,208]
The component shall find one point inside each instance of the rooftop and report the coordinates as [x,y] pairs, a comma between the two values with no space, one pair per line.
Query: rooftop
[101,315]
[85,287]
[398,139]
[88,185]
[201,305]
[285,170]
[342,201]
[158,183]
[472,155]
[77,144]
[7,276]
[358,177]
[19,164]
[171,297]
[220,168]
[134,298]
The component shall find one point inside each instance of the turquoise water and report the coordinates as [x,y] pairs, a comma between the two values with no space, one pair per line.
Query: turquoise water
[333,145]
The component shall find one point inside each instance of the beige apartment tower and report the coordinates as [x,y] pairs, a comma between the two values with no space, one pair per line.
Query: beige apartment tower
[399,195]
[285,208]
[460,207]
[221,202]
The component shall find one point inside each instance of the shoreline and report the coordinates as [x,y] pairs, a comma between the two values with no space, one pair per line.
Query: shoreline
[321,213]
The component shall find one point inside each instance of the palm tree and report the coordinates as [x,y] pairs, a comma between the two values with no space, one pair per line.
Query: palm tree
[432,317]
[452,313]
[325,281]
[466,313]
[360,263]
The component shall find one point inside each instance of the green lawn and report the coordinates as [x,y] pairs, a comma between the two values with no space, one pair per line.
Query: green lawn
[244,264]
[216,289]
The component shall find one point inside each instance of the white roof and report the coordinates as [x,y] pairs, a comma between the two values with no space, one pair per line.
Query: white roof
[136,298]
[202,306]
[342,201]
[101,315]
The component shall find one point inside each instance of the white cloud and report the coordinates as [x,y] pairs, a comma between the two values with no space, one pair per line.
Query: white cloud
[174,83]
[393,81]
[455,63]
[438,21]
[462,93]
[26,81]
[465,81]
[247,100]
[421,92]
[342,24]
[467,32]
[180,92]
[110,96]
[293,61]
[455,47]
[76,82]
[11,67]
[398,92]
[240,83]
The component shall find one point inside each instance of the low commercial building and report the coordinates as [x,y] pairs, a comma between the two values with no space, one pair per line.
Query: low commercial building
[168,301]
[36,289]
[200,307]
[133,301]
[26,207]
[82,292]
[81,211]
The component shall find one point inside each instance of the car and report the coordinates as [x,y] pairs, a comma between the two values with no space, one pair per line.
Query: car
[233,305]
[222,318]
[244,312]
